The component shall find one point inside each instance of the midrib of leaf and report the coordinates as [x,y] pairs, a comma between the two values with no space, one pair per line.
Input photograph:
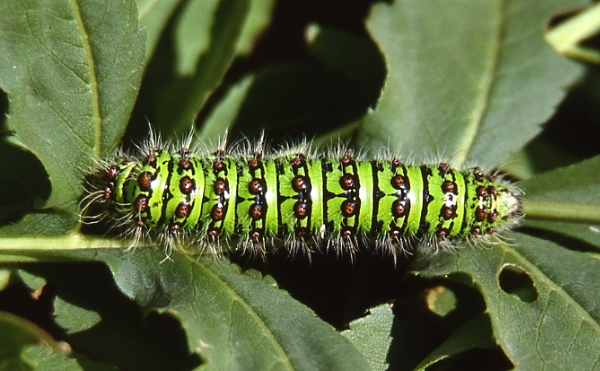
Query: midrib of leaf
[563,212]
[482,103]
[89,56]
[68,242]
[258,320]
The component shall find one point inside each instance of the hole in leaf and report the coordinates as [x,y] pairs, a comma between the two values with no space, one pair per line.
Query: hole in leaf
[441,300]
[515,281]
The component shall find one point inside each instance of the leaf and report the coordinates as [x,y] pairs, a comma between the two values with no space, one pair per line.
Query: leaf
[537,157]
[574,188]
[371,336]
[567,36]
[71,76]
[60,361]
[357,56]
[476,333]
[80,304]
[259,15]
[233,320]
[154,16]
[293,99]
[473,90]
[238,322]
[438,321]
[207,36]
[551,317]
[17,334]
[296,100]
[569,137]
[217,124]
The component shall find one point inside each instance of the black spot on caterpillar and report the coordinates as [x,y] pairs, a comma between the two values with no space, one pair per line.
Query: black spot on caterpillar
[250,201]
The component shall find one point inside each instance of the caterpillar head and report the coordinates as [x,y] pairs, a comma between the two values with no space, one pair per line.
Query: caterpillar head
[497,206]
[508,204]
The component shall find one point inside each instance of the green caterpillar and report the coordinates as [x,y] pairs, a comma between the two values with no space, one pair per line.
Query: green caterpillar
[253,201]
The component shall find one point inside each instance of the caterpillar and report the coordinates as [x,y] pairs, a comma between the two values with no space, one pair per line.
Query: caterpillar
[251,200]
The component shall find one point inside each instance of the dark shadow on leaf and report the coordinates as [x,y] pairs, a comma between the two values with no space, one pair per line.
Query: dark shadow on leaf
[338,288]
[567,242]
[123,337]
[475,359]
[419,328]
[24,183]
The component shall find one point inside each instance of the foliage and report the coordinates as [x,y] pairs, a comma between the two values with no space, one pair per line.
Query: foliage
[468,82]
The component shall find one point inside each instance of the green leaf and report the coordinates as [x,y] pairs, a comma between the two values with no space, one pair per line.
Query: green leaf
[17,334]
[439,321]
[473,90]
[59,361]
[259,15]
[99,322]
[154,16]
[550,316]
[537,157]
[233,320]
[207,36]
[290,100]
[571,190]
[475,333]
[371,336]
[293,100]
[568,35]
[236,321]
[71,76]
[356,56]
[217,124]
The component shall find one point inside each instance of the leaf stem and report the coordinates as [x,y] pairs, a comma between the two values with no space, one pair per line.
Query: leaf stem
[565,212]
[60,243]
